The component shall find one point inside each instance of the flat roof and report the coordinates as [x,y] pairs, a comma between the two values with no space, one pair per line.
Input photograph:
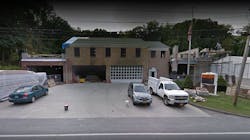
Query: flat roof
[43,59]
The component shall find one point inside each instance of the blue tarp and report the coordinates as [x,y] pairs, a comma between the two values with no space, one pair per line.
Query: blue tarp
[69,42]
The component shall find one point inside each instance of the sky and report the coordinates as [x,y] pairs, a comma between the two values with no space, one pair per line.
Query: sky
[121,16]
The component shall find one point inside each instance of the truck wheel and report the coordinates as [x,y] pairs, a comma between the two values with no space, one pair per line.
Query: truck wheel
[133,101]
[165,100]
[151,91]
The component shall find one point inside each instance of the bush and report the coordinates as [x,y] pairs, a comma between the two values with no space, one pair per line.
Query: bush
[221,81]
[186,83]
[179,83]
[222,84]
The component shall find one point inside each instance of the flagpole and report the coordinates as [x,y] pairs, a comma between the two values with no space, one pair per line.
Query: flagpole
[189,43]
[189,49]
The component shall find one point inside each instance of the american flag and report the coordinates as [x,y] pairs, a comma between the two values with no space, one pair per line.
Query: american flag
[190,32]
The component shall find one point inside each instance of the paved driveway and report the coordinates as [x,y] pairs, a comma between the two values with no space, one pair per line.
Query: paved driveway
[93,100]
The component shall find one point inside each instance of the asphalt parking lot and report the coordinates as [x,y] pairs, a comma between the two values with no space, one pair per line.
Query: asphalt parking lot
[93,100]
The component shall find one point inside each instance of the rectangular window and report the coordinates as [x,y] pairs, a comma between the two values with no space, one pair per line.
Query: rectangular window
[123,52]
[77,52]
[92,52]
[138,52]
[153,54]
[163,54]
[108,52]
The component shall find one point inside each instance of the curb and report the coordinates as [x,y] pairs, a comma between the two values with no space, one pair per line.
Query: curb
[3,99]
[219,111]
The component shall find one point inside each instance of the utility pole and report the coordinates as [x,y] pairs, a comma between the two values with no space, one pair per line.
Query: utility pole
[190,41]
[246,51]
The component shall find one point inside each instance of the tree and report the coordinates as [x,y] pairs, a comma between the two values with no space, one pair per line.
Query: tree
[235,44]
[205,33]
[32,26]
[152,31]
[247,28]
[149,32]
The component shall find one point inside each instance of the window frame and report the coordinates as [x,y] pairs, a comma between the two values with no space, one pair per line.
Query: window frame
[152,53]
[137,52]
[92,52]
[76,51]
[161,86]
[163,54]
[123,52]
[107,52]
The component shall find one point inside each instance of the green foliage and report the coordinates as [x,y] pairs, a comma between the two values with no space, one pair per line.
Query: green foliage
[222,81]
[205,33]
[224,102]
[235,44]
[31,26]
[186,83]
[222,84]
[10,67]
[179,83]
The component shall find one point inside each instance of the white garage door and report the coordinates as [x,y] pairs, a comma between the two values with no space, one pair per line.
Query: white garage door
[126,74]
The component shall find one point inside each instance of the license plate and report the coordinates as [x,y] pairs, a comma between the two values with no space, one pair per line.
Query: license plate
[181,101]
[16,97]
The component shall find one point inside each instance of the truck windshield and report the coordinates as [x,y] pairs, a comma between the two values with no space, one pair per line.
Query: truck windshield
[171,87]
[139,89]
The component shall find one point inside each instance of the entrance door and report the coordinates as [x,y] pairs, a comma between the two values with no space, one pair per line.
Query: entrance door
[153,72]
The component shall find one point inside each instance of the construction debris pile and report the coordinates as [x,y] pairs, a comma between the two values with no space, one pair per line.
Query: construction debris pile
[196,94]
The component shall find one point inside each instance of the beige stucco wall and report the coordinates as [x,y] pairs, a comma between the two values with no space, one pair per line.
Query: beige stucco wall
[161,64]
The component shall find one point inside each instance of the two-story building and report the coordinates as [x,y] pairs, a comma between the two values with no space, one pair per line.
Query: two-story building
[114,59]
[109,59]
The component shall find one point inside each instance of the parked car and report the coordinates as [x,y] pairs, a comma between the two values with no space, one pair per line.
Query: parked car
[139,94]
[168,90]
[25,94]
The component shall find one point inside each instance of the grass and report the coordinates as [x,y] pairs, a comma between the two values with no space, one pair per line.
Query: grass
[10,67]
[225,103]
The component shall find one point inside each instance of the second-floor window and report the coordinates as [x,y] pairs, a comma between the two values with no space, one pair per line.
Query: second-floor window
[92,52]
[108,52]
[163,54]
[77,52]
[123,52]
[153,54]
[138,52]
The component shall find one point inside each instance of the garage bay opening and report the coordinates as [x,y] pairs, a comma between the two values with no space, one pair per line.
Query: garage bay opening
[89,73]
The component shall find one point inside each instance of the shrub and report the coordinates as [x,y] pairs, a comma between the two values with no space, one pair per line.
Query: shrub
[186,83]
[179,83]
[221,81]
[222,84]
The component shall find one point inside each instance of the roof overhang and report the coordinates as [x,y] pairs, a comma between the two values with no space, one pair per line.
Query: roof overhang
[43,60]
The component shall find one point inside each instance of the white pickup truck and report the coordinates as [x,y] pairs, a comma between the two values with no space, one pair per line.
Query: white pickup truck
[168,90]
